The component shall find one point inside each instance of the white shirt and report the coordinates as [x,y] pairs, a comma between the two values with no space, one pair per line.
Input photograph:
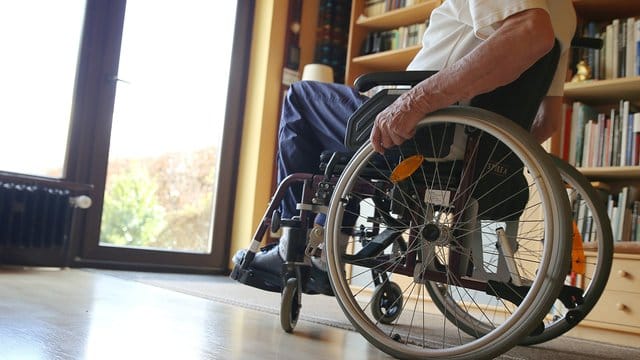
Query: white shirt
[457,26]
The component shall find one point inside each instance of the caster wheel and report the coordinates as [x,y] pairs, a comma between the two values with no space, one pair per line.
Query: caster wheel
[386,304]
[290,305]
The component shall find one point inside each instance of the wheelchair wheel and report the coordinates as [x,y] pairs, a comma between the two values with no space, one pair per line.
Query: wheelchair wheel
[592,223]
[290,305]
[586,281]
[386,305]
[494,225]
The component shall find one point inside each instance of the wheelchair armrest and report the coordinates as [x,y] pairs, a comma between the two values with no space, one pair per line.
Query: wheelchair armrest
[411,78]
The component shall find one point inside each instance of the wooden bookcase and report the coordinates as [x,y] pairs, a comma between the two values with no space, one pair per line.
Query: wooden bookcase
[361,25]
[616,318]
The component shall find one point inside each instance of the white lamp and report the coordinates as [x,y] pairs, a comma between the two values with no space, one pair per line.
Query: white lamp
[318,72]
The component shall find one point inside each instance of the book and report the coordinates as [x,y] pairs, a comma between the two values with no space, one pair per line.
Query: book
[630,47]
[622,49]
[637,47]
[635,221]
[629,144]
[582,113]
[615,48]
[636,139]
[608,58]
[624,129]
[615,139]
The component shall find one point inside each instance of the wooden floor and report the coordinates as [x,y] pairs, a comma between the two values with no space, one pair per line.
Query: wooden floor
[75,314]
[85,314]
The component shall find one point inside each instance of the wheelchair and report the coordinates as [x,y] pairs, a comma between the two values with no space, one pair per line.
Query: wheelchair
[461,240]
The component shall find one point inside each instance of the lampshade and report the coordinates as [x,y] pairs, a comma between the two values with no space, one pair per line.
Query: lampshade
[318,72]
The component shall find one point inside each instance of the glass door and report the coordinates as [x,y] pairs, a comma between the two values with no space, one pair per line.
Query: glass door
[167,125]
[161,162]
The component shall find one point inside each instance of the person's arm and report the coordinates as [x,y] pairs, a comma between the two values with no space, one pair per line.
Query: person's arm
[518,43]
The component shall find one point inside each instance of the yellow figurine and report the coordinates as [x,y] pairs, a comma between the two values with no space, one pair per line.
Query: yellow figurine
[583,72]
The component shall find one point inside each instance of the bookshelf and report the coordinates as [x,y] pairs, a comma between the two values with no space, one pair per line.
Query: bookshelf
[361,25]
[391,60]
[614,318]
[604,91]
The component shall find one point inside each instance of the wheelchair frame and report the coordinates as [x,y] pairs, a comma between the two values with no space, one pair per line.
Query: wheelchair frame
[318,196]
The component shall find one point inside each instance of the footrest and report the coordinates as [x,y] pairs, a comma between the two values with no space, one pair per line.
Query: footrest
[258,279]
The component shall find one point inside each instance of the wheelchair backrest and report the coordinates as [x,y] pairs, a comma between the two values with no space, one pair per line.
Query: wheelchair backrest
[519,101]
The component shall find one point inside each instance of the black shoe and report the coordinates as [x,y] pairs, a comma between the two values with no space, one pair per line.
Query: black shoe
[264,271]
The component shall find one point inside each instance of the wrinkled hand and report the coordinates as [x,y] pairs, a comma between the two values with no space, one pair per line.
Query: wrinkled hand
[397,123]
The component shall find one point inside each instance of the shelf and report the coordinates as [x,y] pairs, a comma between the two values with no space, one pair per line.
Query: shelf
[391,60]
[603,91]
[606,9]
[619,247]
[612,173]
[399,17]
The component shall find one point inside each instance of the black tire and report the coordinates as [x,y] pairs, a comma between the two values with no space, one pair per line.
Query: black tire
[387,302]
[290,305]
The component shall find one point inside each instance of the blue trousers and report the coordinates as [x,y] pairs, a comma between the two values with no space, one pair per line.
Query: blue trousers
[314,118]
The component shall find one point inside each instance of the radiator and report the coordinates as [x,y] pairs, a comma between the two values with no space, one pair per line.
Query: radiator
[34,216]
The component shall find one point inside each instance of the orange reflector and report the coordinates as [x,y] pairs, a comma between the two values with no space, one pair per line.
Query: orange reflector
[578,260]
[406,168]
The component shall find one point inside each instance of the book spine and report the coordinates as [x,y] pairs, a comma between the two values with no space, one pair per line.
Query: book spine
[637,47]
[606,152]
[636,138]
[615,136]
[600,138]
[615,48]
[624,120]
[629,144]
[635,222]
[622,49]
[630,47]
[608,71]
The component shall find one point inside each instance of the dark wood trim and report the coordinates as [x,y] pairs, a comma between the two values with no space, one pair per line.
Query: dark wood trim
[234,120]
[87,154]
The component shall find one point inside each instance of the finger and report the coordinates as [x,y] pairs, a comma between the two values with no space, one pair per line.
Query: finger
[385,140]
[376,140]
[395,138]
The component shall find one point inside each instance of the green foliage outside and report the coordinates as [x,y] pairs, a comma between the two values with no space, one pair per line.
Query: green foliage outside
[131,213]
[162,203]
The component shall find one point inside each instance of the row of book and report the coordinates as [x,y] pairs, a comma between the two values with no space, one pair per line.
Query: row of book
[623,209]
[620,54]
[592,137]
[378,7]
[402,37]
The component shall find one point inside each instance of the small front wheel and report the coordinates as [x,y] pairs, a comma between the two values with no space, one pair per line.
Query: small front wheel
[386,305]
[290,305]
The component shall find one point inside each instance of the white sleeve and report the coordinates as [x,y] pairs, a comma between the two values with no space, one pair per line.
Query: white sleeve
[487,15]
